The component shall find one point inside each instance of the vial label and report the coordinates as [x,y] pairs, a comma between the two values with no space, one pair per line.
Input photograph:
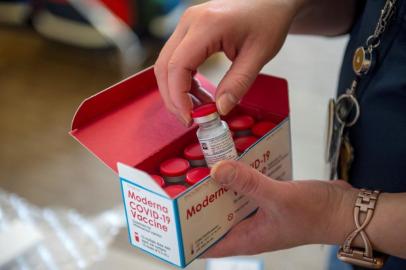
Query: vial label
[218,148]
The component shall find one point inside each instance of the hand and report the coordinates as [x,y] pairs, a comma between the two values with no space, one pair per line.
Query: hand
[290,213]
[250,33]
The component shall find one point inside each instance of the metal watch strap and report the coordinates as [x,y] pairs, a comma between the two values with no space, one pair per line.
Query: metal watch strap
[364,257]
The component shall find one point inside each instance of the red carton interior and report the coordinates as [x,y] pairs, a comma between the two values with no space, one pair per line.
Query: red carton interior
[128,122]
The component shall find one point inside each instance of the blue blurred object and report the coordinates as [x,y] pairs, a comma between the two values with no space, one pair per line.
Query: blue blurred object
[168,5]
[148,10]
[163,26]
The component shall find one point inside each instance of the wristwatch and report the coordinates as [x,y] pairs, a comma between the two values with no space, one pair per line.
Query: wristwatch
[364,257]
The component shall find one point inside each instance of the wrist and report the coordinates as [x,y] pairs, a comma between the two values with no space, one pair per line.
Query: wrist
[326,212]
[342,222]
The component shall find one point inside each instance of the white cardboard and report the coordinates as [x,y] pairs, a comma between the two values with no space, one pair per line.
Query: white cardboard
[199,217]
[152,225]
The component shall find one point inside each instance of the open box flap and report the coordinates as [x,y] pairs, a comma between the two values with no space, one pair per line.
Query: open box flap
[268,93]
[128,122]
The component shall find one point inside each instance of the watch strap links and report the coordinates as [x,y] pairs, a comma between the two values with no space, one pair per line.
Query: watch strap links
[364,257]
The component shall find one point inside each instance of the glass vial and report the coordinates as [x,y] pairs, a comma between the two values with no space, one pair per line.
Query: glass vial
[213,134]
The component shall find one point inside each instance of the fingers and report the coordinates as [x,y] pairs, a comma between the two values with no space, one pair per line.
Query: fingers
[160,67]
[175,68]
[193,41]
[187,57]
[236,242]
[239,78]
[244,179]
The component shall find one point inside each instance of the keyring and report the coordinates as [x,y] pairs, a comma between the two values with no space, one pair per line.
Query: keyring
[343,110]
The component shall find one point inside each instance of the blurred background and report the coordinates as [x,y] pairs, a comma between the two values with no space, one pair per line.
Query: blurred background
[54,54]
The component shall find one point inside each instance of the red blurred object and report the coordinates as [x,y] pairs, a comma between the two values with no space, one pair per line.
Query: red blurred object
[121,8]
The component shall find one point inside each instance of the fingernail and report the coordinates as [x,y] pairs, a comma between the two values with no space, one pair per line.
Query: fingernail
[223,173]
[226,102]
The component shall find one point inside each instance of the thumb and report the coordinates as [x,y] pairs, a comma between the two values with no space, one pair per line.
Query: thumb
[243,179]
[238,79]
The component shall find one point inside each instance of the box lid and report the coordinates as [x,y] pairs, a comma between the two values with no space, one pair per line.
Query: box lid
[129,123]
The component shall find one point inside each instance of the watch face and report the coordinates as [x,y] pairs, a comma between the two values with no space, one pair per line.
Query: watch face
[356,257]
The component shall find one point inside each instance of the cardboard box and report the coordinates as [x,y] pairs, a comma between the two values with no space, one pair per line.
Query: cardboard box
[128,128]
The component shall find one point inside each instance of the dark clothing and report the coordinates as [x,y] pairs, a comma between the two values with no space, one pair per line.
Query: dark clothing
[379,136]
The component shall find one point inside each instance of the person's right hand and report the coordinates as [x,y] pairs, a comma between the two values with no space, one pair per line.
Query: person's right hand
[290,213]
[250,33]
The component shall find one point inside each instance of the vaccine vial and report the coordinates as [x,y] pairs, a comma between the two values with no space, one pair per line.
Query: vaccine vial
[194,175]
[262,128]
[213,134]
[174,190]
[174,170]
[241,124]
[242,143]
[194,154]
[158,179]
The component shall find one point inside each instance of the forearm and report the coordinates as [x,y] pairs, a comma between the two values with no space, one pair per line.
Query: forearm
[386,230]
[324,17]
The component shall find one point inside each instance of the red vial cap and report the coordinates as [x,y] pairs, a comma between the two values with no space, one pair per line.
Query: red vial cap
[174,167]
[195,175]
[204,110]
[158,179]
[241,122]
[174,190]
[261,128]
[244,142]
[193,152]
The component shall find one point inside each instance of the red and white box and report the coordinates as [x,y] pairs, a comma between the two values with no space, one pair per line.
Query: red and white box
[128,128]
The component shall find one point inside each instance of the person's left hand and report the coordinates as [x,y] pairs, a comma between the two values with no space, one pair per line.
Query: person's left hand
[291,213]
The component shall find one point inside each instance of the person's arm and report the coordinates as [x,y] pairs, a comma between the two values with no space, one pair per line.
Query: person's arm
[325,17]
[250,33]
[387,230]
[293,213]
